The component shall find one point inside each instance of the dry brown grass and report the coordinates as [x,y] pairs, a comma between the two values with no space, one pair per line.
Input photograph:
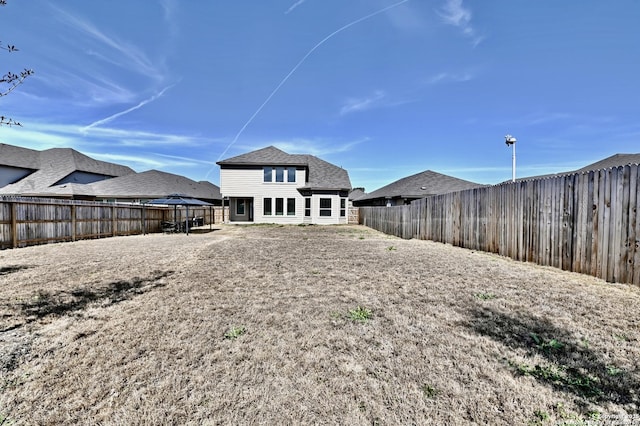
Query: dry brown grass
[139,330]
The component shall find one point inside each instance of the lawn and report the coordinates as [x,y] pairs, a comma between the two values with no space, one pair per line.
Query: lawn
[308,325]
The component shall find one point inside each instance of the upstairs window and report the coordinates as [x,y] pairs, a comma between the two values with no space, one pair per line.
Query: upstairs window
[279,174]
[267,174]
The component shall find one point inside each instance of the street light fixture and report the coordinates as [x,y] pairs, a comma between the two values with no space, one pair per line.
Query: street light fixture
[510,140]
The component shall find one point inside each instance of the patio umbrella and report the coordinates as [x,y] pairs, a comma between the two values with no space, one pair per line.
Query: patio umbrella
[176,200]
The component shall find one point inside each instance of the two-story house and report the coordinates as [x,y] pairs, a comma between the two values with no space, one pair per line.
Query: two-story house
[271,186]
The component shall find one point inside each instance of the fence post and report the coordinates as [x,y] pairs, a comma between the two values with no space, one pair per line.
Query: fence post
[114,224]
[73,222]
[14,225]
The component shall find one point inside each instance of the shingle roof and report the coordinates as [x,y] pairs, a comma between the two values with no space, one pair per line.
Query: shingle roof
[356,193]
[51,166]
[16,156]
[270,155]
[421,185]
[153,184]
[615,160]
[322,174]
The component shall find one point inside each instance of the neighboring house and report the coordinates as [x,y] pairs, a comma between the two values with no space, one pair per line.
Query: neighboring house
[420,185]
[272,186]
[59,172]
[66,173]
[615,160]
[145,186]
[355,194]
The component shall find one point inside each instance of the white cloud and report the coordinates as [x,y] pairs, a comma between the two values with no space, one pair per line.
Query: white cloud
[454,77]
[45,135]
[317,146]
[134,161]
[187,160]
[454,13]
[88,91]
[149,160]
[125,55]
[169,8]
[363,104]
[137,149]
[407,18]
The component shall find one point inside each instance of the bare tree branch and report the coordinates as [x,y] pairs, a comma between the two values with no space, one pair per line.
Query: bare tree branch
[12,80]
[6,121]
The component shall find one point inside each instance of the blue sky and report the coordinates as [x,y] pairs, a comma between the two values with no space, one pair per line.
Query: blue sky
[383,88]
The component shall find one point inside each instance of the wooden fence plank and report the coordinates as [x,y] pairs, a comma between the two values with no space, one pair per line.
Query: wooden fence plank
[587,223]
[568,221]
[636,215]
[613,251]
[624,243]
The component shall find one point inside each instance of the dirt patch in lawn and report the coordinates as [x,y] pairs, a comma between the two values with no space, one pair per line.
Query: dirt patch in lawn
[308,325]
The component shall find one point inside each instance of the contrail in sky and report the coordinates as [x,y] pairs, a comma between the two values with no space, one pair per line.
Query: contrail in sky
[127,111]
[296,4]
[293,70]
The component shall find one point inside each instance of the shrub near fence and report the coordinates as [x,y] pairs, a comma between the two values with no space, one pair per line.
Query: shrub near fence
[585,222]
[30,221]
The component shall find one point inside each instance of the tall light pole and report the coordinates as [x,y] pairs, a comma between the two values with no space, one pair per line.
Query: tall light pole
[510,140]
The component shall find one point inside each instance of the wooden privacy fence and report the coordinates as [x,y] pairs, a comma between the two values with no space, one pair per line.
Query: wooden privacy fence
[585,222]
[31,221]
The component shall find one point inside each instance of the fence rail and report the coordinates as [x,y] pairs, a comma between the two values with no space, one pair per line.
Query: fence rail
[585,222]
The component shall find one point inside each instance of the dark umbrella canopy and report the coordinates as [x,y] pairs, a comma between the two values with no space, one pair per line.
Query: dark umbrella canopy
[179,200]
[176,200]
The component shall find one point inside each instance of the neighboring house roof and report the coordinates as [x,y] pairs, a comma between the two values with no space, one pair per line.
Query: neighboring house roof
[356,193]
[16,156]
[615,160]
[153,184]
[420,185]
[51,167]
[321,174]
[64,172]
